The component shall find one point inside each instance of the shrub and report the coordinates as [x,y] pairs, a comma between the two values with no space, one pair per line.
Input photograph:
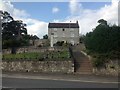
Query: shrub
[97,62]
[59,43]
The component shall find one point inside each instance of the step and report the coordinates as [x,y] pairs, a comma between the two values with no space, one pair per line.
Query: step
[84,70]
[85,67]
[85,63]
[82,62]
[83,73]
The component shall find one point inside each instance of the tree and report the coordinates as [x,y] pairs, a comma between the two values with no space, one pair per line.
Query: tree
[12,32]
[6,16]
[103,43]
[82,38]
[45,36]
[59,43]
[102,21]
[103,39]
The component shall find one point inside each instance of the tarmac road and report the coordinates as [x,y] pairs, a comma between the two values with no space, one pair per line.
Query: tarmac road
[57,81]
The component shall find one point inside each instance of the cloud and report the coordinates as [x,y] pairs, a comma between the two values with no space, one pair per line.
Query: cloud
[8,6]
[34,27]
[88,18]
[55,10]
[75,7]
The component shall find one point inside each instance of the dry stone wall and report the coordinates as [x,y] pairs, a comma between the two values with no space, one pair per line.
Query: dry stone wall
[111,68]
[66,66]
[34,49]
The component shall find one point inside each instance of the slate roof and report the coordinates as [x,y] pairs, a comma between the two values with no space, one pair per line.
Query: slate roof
[63,25]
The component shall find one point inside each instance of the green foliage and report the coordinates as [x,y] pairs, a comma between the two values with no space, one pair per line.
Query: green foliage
[97,62]
[102,21]
[82,37]
[45,36]
[22,55]
[103,43]
[35,55]
[13,32]
[59,43]
[103,39]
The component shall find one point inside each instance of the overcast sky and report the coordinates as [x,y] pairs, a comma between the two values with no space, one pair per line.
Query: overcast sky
[37,15]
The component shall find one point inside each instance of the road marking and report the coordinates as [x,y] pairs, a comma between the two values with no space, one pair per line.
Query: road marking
[25,77]
[6,87]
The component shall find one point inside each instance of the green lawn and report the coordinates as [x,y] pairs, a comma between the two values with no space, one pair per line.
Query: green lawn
[49,55]
[22,55]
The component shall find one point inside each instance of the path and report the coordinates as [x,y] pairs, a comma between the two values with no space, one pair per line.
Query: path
[82,62]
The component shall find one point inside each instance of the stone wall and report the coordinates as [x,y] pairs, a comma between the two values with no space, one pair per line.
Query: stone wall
[39,42]
[34,49]
[111,68]
[66,66]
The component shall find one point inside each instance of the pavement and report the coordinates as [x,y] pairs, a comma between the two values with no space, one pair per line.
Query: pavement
[44,80]
[65,77]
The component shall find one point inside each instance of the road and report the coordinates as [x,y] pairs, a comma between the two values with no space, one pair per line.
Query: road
[34,82]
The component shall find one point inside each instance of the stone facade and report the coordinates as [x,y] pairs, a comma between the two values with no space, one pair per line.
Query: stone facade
[66,66]
[67,32]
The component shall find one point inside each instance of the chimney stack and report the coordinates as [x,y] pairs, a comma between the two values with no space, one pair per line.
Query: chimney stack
[77,21]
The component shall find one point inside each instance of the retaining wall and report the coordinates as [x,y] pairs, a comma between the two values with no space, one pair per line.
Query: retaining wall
[34,49]
[111,68]
[66,66]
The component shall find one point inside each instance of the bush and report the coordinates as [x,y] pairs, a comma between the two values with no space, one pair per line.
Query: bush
[103,39]
[97,62]
[59,43]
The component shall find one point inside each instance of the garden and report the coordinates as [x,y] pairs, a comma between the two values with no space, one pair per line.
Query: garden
[49,55]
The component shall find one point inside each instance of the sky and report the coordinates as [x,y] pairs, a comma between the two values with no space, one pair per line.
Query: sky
[37,15]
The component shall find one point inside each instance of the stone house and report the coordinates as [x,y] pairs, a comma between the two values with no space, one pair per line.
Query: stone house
[67,32]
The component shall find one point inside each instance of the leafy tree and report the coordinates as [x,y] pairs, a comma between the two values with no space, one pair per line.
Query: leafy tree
[59,43]
[102,21]
[104,38]
[82,38]
[12,32]
[6,16]
[45,36]
[103,43]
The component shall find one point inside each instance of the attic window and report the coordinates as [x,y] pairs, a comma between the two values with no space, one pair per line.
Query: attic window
[63,29]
